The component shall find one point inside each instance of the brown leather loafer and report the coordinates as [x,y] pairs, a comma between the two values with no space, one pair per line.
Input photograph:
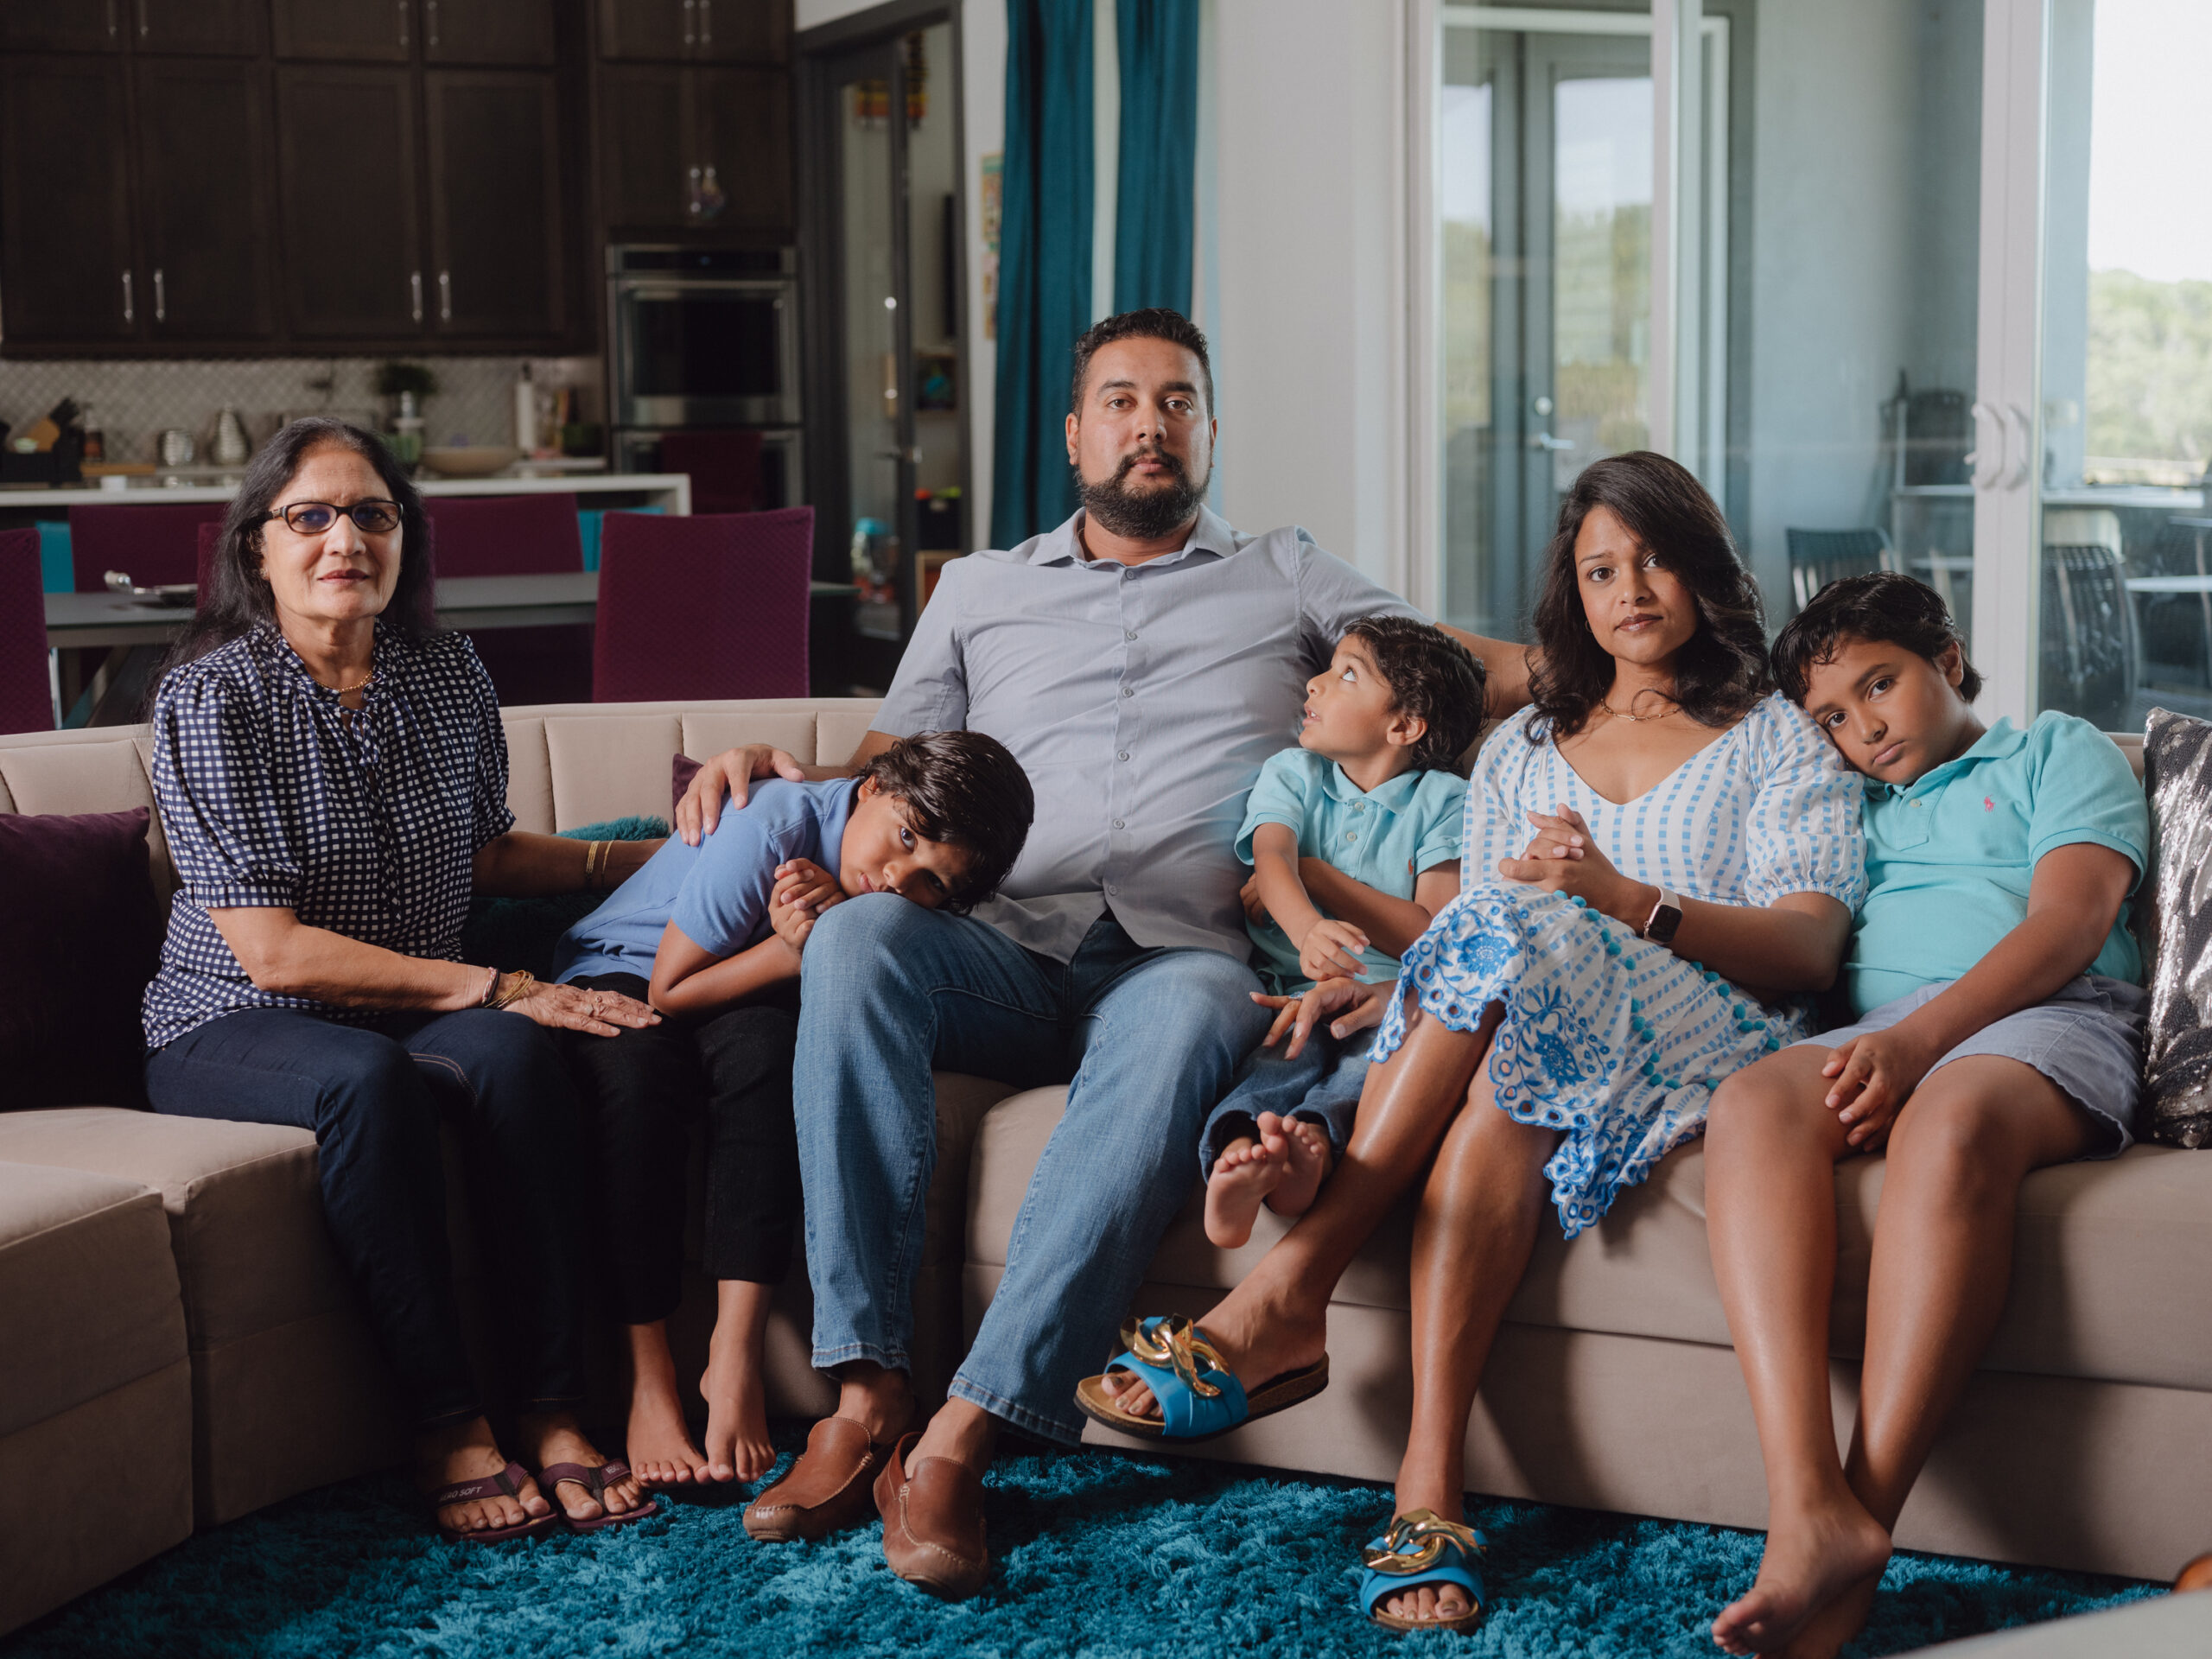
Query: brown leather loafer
[933,1523]
[827,1489]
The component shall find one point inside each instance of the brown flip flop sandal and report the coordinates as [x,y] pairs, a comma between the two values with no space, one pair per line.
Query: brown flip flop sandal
[595,1481]
[506,1484]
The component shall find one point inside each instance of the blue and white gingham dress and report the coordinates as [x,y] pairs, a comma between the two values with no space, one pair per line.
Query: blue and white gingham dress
[1617,1041]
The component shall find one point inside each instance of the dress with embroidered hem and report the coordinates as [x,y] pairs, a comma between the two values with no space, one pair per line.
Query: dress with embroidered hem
[1612,1039]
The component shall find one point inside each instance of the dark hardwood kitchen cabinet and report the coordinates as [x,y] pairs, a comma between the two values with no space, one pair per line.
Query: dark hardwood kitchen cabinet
[61,25]
[66,267]
[232,27]
[686,149]
[488,31]
[352,240]
[355,31]
[204,209]
[495,204]
[696,31]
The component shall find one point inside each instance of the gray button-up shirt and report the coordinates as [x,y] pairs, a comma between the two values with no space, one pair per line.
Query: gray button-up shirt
[1141,700]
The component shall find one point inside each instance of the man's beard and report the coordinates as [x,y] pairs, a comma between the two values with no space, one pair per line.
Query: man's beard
[1142,515]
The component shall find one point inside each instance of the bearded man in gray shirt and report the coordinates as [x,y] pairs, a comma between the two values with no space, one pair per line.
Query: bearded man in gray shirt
[1142,661]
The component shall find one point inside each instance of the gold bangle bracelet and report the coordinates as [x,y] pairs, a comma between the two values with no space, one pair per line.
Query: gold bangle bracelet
[513,988]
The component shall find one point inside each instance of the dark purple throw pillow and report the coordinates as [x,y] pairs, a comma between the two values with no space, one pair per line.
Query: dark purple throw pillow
[685,769]
[81,935]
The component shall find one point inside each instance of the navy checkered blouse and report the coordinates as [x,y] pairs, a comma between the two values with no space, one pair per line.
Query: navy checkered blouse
[364,827]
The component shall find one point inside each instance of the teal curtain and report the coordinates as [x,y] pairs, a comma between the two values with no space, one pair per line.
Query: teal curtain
[1044,260]
[1156,199]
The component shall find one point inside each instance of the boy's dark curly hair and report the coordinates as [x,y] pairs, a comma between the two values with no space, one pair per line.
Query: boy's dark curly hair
[1430,675]
[1885,607]
[968,790]
[1721,671]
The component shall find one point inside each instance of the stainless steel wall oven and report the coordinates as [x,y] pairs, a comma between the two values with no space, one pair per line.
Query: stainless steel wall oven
[702,337]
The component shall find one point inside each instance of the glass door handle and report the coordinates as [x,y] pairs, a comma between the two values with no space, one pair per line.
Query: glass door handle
[1985,477]
[912,457]
[2023,457]
[1546,440]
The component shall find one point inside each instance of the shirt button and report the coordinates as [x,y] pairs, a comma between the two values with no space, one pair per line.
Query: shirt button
[1117,823]
[1351,835]
[1123,755]
[1129,635]
[1127,692]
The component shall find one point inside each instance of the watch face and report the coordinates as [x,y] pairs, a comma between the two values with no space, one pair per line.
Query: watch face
[1664,920]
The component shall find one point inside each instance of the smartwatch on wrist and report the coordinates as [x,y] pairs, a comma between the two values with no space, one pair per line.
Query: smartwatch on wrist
[1665,916]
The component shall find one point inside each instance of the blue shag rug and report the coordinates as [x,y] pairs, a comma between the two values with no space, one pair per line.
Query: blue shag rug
[1094,1554]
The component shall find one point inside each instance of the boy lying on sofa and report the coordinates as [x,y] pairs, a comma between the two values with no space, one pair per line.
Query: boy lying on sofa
[1998,1029]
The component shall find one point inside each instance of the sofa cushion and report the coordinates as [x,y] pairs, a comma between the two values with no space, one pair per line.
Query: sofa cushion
[2097,1244]
[245,1210]
[79,937]
[88,1291]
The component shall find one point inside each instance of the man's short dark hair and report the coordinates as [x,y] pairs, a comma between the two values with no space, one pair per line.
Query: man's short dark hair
[1887,608]
[1154,322]
[1432,676]
[967,791]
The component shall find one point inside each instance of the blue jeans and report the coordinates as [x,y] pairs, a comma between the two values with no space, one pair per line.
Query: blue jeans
[1145,1038]
[374,1098]
[1322,1085]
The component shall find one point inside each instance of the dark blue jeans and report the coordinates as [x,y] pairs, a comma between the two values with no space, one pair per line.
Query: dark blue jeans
[375,1098]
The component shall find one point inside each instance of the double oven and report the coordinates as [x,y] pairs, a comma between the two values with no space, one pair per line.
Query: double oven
[706,339]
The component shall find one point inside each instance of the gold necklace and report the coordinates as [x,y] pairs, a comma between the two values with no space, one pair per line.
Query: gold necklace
[358,685]
[1638,719]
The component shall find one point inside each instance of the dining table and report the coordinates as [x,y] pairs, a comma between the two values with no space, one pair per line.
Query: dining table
[129,627]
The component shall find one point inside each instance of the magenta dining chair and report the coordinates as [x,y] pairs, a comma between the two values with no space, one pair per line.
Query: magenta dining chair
[26,692]
[709,606]
[517,536]
[156,544]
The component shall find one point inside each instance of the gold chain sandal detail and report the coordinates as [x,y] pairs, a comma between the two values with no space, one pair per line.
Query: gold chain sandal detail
[1416,1543]
[1179,1345]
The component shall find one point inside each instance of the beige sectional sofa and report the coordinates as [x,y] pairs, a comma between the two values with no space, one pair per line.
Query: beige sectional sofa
[221,1360]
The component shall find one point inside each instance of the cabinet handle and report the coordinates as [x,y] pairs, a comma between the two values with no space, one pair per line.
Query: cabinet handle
[414,291]
[130,311]
[445,296]
[111,19]
[161,297]
[706,22]
[144,27]
[403,24]
[430,9]
[690,28]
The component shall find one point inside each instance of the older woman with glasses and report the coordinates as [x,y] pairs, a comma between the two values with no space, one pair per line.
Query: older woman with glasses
[332,774]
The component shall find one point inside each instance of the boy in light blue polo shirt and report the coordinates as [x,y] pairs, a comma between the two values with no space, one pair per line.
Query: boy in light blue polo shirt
[1354,841]
[1998,1028]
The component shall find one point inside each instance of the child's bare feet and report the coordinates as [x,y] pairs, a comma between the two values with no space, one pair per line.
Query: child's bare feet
[657,1442]
[737,1405]
[1307,1165]
[1244,1176]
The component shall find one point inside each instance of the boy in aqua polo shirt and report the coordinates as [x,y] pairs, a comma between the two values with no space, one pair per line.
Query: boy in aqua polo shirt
[1999,1020]
[1353,837]
[715,935]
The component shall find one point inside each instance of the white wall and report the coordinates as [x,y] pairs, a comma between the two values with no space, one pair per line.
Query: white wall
[1308,359]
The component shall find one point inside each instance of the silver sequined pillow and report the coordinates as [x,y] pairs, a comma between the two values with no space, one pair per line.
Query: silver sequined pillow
[2173,918]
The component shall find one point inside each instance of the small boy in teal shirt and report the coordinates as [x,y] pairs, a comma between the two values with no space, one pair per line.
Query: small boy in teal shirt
[1354,841]
[1998,1022]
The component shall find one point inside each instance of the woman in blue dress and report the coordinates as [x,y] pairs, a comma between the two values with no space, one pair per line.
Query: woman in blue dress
[1662,858]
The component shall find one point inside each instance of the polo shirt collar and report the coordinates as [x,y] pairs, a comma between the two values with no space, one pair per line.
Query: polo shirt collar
[1391,794]
[1211,535]
[1999,740]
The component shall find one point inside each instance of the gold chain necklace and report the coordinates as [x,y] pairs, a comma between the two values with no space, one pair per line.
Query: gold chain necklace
[1638,719]
[362,684]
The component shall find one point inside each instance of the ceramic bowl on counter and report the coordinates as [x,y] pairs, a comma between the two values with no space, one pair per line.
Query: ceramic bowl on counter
[476,461]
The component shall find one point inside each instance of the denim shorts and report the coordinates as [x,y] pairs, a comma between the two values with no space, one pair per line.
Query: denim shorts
[2086,1037]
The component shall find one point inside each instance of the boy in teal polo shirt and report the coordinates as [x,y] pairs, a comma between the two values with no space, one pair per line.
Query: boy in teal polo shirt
[1998,1028]
[1354,841]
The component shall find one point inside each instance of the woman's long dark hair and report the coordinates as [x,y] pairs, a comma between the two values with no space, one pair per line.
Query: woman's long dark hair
[238,598]
[1721,670]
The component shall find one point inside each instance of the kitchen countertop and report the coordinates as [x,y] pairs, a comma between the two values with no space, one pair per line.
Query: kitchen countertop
[670,491]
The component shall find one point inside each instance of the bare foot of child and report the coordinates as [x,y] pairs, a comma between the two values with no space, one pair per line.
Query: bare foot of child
[1247,1172]
[657,1442]
[737,1407]
[1308,1166]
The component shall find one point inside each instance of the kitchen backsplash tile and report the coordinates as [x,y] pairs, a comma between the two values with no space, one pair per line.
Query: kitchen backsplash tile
[134,401]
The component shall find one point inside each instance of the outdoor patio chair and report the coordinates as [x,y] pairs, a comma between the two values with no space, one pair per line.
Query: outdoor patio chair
[1818,557]
[2088,636]
[709,606]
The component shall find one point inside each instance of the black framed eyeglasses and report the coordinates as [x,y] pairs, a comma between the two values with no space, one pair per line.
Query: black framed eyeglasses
[371,517]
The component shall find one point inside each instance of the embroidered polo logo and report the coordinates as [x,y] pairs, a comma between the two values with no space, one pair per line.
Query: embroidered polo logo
[1988,806]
